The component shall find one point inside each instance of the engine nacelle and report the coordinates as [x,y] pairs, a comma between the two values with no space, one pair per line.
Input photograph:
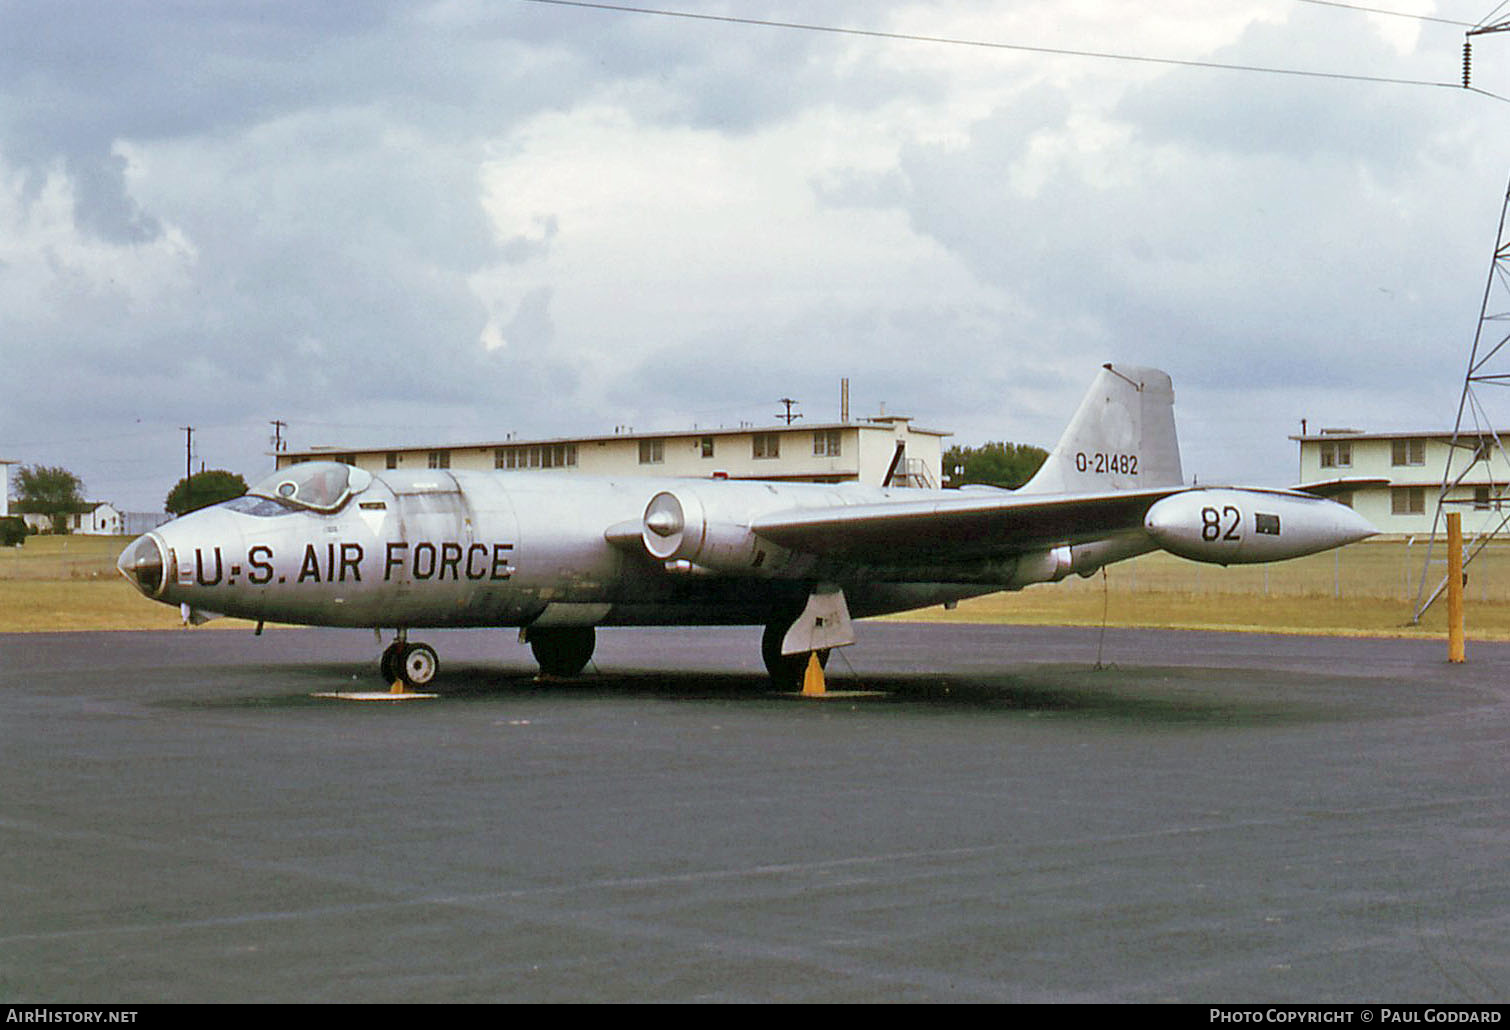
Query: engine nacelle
[1238,527]
[678,528]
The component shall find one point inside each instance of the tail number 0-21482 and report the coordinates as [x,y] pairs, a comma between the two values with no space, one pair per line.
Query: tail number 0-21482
[1102,464]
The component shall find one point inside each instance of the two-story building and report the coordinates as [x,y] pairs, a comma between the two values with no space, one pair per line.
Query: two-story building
[1405,470]
[884,448]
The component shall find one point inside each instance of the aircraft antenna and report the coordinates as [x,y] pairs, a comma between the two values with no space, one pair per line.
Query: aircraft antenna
[1475,440]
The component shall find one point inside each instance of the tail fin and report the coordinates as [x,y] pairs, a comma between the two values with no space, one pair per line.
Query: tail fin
[1121,438]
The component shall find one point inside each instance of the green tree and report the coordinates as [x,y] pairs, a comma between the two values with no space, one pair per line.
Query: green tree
[998,463]
[203,489]
[51,491]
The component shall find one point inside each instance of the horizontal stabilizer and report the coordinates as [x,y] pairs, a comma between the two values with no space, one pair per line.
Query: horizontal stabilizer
[1334,487]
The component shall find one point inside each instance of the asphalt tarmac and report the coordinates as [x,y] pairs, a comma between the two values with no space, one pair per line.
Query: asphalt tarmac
[1208,817]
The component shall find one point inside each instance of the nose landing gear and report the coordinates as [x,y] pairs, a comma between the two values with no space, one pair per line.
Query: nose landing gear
[407,666]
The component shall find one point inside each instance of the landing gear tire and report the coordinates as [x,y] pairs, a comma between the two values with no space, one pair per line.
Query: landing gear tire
[562,650]
[786,670]
[418,665]
[388,664]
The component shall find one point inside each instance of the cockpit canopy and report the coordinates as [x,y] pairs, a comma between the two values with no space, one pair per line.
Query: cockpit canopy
[316,485]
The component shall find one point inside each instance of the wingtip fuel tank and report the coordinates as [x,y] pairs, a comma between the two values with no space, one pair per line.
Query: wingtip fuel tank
[1232,526]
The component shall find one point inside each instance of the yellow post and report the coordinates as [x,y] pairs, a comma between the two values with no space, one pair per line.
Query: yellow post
[1455,650]
[812,680]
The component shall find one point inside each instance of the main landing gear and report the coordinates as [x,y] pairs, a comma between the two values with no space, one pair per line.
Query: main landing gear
[786,670]
[408,666]
[794,637]
[562,651]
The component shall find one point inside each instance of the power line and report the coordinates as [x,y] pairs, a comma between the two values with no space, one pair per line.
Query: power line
[1486,19]
[1392,14]
[990,45]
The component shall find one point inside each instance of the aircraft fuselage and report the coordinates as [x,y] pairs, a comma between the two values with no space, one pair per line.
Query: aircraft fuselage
[445,549]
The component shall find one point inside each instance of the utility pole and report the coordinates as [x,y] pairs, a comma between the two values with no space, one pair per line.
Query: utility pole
[1482,29]
[788,417]
[188,451]
[278,427]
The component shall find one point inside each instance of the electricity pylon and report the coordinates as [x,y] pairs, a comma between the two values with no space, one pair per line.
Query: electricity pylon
[1474,437]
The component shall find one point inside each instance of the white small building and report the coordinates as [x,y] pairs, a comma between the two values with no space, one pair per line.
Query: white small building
[102,519]
[99,518]
[5,465]
[1406,473]
[876,450]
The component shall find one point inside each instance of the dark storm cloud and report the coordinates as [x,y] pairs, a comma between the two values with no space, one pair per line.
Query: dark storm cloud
[230,213]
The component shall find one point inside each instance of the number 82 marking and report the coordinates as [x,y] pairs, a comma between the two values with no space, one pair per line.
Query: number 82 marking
[1211,523]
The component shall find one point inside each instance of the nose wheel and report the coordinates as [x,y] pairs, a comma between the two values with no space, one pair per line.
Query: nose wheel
[408,665]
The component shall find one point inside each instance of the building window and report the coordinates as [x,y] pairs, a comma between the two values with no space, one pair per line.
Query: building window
[390,459]
[440,459]
[1481,498]
[1407,452]
[826,443]
[767,445]
[652,452]
[536,456]
[1336,454]
[706,446]
[1407,500]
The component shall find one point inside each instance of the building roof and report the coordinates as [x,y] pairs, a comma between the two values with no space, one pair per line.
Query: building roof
[1331,435]
[881,422]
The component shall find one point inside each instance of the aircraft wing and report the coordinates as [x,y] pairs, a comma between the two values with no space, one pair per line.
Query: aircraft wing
[954,529]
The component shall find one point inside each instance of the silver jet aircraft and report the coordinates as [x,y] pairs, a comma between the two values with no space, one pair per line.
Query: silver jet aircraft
[322,543]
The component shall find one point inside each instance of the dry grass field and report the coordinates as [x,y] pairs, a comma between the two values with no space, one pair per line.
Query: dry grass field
[54,583]
[68,583]
[1365,589]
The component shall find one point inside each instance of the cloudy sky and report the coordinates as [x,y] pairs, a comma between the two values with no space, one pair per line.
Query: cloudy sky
[450,221]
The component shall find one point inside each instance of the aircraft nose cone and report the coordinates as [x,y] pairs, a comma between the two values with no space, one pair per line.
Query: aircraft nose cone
[142,563]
